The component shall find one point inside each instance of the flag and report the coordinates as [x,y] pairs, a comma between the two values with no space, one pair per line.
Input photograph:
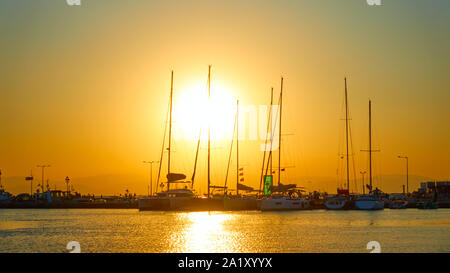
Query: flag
[242,179]
[241,169]
[28,178]
[268,182]
[283,169]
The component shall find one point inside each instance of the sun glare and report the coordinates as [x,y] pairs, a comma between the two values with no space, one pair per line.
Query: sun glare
[192,111]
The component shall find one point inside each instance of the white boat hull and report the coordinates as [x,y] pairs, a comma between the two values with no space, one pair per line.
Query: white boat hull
[271,204]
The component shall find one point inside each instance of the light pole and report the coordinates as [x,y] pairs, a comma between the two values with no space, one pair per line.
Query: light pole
[364,186]
[151,175]
[67,185]
[43,167]
[407,184]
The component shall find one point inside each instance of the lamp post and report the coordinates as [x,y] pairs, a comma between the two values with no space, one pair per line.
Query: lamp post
[67,186]
[151,175]
[407,182]
[364,186]
[42,182]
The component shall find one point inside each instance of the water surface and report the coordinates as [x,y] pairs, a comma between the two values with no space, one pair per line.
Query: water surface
[116,230]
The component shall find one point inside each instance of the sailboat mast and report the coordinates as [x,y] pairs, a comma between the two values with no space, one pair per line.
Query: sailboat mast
[271,131]
[346,135]
[370,143]
[170,131]
[209,130]
[279,134]
[237,147]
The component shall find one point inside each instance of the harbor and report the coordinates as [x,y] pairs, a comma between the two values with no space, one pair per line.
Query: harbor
[177,192]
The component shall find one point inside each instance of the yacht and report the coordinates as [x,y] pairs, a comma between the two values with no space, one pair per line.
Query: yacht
[338,202]
[5,196]
[175,199]
[275,203]
[280,197]
[369,202]
[373,200]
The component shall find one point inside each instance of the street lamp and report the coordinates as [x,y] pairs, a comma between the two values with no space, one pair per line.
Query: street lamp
[407,185]
[67,186]
[150,192]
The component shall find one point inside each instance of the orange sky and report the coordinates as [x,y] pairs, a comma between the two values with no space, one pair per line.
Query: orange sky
[85,88]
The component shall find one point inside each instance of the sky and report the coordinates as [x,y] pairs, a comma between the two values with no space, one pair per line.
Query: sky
[86,88]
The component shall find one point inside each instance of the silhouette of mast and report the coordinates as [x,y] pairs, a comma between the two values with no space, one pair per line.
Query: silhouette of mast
[170,132]
[237,147]
[370,144]
[346,135]
[209,130]
[279,134]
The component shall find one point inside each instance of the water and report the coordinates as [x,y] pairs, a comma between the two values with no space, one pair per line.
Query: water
[116,230]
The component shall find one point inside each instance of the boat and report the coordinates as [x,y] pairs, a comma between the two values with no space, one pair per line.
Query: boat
[398,204]
[238,201]
[170,199]
[342,200]
[369,202]
[338,202]
[185,198]
[283,203]
[281,197]
[427,205]
[4,195]
[372,201]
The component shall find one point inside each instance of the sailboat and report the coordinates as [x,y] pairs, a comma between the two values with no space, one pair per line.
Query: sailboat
[170,199]
[4,195]
[373,200]
[282,197]
[342,199]
[238,202]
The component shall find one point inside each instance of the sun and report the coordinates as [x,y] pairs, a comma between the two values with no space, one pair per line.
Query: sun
[193,112]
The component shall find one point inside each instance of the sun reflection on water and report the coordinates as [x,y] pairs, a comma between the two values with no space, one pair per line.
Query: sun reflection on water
[207,232]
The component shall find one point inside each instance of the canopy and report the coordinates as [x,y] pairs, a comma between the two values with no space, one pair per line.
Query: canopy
[171,177]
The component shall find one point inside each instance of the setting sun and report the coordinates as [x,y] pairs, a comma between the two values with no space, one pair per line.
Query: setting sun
[193,111]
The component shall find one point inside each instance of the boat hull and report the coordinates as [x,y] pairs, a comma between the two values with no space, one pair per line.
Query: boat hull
[369,204]
[398,205]
[337,204]
[240,203]
[181,204]
[281,204]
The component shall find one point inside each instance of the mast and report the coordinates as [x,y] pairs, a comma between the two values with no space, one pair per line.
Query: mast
[279,134]
[346,135]
[237,147]
[196,158]
[269,129]
[271,132]
[370,143]
[170,130]
[209,130]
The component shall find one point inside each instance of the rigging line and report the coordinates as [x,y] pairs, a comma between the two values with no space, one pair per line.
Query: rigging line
[163,144]
[353,157]
[271,139]
[267,136]
[231,150]
[271,142]
[196,158]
